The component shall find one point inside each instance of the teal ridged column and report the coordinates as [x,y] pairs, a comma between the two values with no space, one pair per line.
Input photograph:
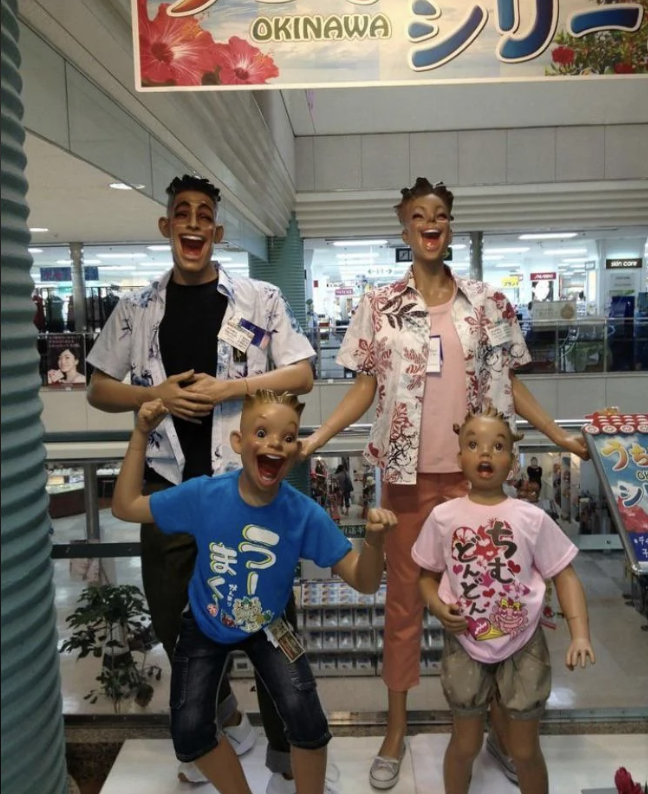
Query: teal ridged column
[285,269]
[33,747]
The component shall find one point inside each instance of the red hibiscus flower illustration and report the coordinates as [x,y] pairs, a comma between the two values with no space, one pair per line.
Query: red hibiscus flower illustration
[173,50]
[624,68]
[563,55]
[239,63]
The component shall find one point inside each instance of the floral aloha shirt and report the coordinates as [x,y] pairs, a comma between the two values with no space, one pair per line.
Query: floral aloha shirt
[389,338]
[129,344]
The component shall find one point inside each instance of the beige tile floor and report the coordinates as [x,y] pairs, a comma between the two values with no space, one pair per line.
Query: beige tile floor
[618,680]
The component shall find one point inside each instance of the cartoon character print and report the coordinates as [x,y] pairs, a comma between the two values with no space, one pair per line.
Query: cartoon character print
[249,614]
[491,599]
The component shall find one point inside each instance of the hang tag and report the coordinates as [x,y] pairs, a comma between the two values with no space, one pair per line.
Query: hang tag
[281,635]
[260,335]
[435,356]
[239,338]
[499,334]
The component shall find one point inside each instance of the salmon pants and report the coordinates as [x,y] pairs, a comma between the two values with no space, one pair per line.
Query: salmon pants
[404,605]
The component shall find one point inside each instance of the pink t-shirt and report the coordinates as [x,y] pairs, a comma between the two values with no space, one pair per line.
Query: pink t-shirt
[444,398]
[494,559]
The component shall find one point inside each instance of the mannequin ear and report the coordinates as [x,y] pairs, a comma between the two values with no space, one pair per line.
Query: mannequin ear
[236,441]
[219,231]
[164,227]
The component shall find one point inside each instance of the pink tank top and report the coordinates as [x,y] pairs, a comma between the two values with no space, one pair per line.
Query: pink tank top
[444,399]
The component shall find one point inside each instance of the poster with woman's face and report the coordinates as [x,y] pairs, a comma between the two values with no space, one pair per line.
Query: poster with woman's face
[542,290]
[65,355]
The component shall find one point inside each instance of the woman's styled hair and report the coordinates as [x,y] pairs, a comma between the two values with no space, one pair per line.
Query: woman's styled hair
[267,396]
[423,187]
[491,413]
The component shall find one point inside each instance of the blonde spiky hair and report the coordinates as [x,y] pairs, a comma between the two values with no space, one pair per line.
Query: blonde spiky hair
[267,396]
[491,413]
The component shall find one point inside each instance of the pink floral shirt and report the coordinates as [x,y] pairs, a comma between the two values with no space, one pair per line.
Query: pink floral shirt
[389,339]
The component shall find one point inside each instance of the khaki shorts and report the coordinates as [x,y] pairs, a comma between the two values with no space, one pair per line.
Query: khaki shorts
[521,684]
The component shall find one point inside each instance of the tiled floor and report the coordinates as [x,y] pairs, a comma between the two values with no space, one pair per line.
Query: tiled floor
[576,763]
[618,680]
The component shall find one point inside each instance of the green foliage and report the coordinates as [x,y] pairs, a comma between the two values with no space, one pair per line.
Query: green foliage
[109,619]
[602,52]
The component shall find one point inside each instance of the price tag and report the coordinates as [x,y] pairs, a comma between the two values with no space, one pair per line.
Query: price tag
[499,334]
[435,356]
[233,334]
[280,634]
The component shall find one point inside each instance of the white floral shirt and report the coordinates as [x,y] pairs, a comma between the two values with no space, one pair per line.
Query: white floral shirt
[129,343]
[389,338]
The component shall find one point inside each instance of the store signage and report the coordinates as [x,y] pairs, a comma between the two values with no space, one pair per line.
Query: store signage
[543,276]
[403,254]
[510,281]
[340,291]
[62,274]
[590,265]
[553,311]
[209,45]
[635,263]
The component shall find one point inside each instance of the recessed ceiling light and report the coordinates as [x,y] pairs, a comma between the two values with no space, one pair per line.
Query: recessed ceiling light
[562,251]
[344,243]
[506,251]
[158,247]
[124,186]
[35,250]
[36,229]
[548,236]
[122,256]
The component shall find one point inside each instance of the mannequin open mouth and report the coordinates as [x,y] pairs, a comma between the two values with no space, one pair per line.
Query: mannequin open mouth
[431,239]
[485,469]
[269,468]
[192,246]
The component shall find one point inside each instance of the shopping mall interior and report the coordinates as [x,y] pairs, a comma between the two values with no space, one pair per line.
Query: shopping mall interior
[551,209]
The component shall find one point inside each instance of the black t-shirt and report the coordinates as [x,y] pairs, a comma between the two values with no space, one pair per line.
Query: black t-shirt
[188,338]
[534,474]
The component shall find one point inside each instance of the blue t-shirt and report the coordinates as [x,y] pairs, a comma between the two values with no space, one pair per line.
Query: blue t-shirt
[246,555]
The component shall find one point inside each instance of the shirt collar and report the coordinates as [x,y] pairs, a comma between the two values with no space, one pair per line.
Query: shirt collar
[225,282]
[468,287]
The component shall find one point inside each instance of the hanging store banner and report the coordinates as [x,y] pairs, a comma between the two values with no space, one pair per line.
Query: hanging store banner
[249,44]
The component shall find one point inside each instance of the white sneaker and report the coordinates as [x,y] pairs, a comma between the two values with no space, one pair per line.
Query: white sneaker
[189,773]
[279,785]
[242,737]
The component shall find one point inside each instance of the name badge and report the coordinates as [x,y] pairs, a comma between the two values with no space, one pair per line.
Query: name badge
[435,356]
[499,334]
[233,334]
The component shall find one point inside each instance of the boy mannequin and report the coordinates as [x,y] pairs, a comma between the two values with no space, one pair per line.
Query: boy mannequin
[248,514]
[167,337]
[483,561]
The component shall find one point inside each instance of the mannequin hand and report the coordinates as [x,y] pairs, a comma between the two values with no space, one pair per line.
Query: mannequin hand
[578,651]
[54,376]
[179,401]
[309,446]
[215,389]
[575,444]
[450,617]
[379,521]
[150,415]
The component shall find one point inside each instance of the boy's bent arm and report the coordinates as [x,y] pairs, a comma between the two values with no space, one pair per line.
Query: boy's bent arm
[128,503]
[364,571]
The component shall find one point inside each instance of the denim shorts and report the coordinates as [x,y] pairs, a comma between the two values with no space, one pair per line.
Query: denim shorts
[521,684]
[199,665]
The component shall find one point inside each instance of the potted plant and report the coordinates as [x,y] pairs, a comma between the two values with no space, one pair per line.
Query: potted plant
[111,623]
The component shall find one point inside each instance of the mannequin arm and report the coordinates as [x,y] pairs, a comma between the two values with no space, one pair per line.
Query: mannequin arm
[355,402]
[573,605]
[530,409]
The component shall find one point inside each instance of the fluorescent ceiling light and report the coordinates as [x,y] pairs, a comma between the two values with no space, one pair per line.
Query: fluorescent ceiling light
[121,256]
[563,251]
[492,258]
[116,267]
[35,250]
[92,261]
[506,264]
[38,229]
[576,260]
[624,255]
[159,247]
[548,236]
[124,186]
[345,243]
[506,250]
[351,257]
[457,246]
[63,261]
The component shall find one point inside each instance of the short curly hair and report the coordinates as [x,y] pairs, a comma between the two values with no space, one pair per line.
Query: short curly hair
[267,396]
[189,182]
[423,187]
[489,412]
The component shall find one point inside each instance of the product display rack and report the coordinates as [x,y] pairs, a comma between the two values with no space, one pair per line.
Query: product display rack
[342,631]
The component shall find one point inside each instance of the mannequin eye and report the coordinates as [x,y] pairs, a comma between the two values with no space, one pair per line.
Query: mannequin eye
[260,433]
